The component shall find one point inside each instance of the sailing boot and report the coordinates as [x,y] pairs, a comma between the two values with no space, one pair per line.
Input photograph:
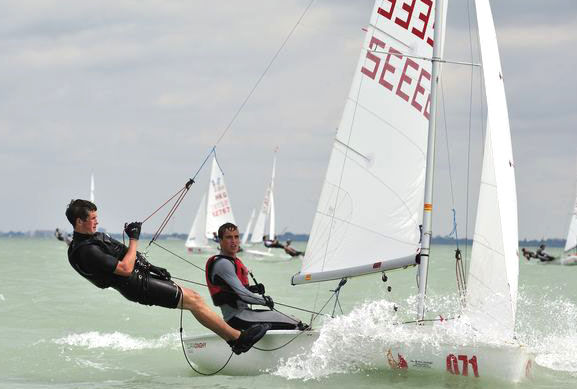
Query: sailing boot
[249,337]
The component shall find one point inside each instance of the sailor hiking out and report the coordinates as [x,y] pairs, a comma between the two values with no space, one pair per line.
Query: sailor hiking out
[107,263]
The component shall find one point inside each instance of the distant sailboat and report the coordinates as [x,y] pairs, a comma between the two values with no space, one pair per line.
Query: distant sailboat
[214,210]
[246,232]
[570,252]
[266,214]
[92,188]
[375,210]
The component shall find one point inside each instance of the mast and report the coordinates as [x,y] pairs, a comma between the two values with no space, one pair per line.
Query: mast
[430,167]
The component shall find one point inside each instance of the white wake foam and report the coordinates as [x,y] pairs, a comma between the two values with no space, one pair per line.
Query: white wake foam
[545,325]
[117,341]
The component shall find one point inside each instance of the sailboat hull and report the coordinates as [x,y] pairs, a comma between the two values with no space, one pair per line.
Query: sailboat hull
[569,260]
[507,361]
[209,353]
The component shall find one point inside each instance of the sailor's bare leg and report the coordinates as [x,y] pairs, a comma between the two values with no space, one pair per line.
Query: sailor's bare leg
[193,302]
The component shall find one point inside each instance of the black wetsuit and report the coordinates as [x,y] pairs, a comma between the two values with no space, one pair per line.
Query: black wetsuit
[273,244]
[95,258]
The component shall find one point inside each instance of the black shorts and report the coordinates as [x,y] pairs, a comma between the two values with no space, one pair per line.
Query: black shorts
[148,289]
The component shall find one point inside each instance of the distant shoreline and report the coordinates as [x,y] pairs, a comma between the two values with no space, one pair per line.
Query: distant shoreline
[551,242]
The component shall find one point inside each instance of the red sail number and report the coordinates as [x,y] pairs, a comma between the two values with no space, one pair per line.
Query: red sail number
[453,365]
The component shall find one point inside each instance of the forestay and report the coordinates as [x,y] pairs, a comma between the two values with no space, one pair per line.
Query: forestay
[370,208]
[493,274]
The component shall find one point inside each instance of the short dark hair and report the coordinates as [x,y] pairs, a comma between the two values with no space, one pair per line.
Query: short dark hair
[79,209]
[226,227]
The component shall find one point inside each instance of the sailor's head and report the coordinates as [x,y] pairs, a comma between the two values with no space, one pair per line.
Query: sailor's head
[542,246]
[229,238]
[82,215]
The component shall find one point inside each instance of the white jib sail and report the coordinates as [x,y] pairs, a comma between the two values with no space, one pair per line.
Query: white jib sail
[571,241]
[218,207]
[197,237]
[247,229]
[494,269]
[371,203]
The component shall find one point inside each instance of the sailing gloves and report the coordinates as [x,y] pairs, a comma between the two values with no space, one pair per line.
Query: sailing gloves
[258,288]
[268,302]
[133,230]
[160,271]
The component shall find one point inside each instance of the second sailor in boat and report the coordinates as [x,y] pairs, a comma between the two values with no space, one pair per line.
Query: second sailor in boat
[230,289]
[291,251]
[542,255]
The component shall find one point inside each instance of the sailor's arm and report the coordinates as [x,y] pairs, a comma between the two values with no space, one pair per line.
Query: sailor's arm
[125,266]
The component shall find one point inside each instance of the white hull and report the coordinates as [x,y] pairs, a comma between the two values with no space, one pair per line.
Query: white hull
[201,250]
[508,362]
[569,260]
[209,352]
[268,254]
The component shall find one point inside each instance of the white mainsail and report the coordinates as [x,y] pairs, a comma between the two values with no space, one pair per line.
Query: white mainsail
[197,236]
[266,212]
[218,207]
[214,210]
[494,269]
[571,241]
[370,208]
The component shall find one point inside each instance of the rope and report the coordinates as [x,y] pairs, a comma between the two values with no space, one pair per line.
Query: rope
[183,191]
[184,350]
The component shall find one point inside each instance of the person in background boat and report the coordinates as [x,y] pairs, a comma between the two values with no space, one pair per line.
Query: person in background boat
[230,289]
[106,262]
[528,254]
[542,255]
[272,243]
[62,236]
[215,237]
[291,251]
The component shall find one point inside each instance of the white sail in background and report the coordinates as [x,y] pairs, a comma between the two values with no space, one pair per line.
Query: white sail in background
[246,232]
[218,207]
[92,188]
[266,212]
[370,208]
[571,241]
[197,236]
[494,269]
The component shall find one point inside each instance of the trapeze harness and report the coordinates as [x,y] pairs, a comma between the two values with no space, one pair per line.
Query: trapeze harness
[220,292]
[233,300]
[141,286]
